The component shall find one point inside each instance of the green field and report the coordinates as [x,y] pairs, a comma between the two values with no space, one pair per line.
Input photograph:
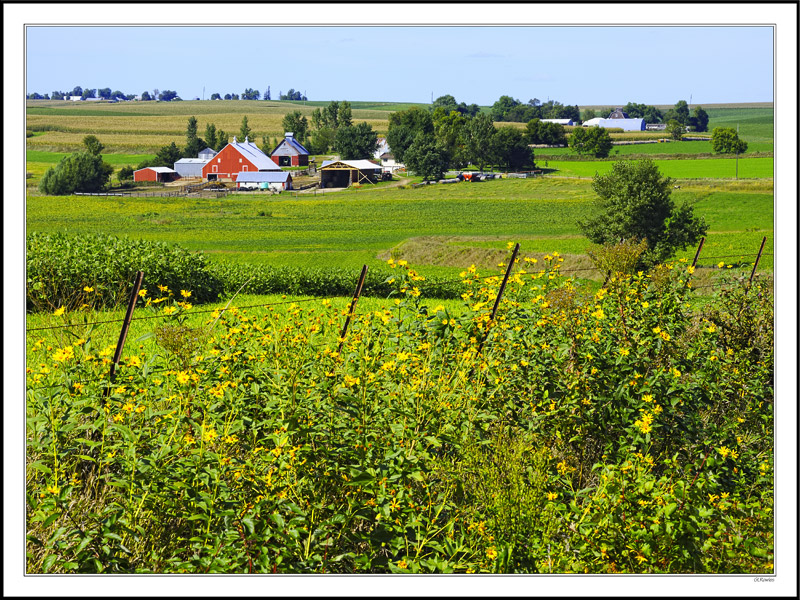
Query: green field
[662,150]
[701,168]
[442,227]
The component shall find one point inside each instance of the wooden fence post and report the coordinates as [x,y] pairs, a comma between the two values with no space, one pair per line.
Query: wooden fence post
[126,323]
[359,286]
[697,254]
[499,295]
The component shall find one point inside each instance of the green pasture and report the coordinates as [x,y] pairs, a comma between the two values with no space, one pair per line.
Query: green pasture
[37,162]
[755,124]
[441,228]
[662,150]
[700,168]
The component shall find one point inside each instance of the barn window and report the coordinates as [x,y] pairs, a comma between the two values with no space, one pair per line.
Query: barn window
[219,160]
[240,161]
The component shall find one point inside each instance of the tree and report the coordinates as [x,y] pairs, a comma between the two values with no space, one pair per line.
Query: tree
[635,204]
[244,130]
[125,174]
[88,93]
[356,141]
[725,140]
[675,130]
[447,102]
[511,148]
[216,96]
[194,144]
[323,140]
[590,140]
[404,127]
[330,116]
[588,114]
[222,140]
[211,136]
[77,91]
[297,124]
[345,114]
[56,95]
[449,131]
[425,157]
[679,113]
[104,93]
[265,147]
[699,120]
[251,94]
[267,94]
[552,134]
[93,145]
[79,172]
[146,96]
[478,145]
[227,96]
[167,95]
[117,94]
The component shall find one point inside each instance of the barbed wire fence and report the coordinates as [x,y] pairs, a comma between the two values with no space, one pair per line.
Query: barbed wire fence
[350,308]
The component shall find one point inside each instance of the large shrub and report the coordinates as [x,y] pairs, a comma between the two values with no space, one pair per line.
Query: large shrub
[61,268]
[79,172]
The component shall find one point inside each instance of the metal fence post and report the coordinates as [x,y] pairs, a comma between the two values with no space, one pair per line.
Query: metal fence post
[126,323]
[499,295]
[755,265]
[359,287]
[697,254]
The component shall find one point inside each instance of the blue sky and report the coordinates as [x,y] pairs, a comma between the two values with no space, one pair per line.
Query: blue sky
[574,65]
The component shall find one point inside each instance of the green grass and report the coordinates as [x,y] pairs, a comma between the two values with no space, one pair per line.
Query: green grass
[755,124]
[664,150]
[439,226]
[39,156]
[702,168]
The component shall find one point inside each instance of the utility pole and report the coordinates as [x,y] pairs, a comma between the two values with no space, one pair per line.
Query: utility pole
[204,92]
[737,151]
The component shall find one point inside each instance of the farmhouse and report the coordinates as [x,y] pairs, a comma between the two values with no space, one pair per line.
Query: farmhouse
[290,152]
[236,158]
[386,158]
[155,174]
[265,180]
[341,173]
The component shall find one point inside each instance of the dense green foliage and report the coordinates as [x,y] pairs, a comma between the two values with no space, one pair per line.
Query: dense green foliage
[635,200]
[725,140]
[357,141]
[79,172]
[608,432]
[60,267]
[594,141]
[507,108]
[426,158]
[551,134]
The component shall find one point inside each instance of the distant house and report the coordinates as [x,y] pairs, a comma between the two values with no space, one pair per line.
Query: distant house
[290,152]
[72,98]
[386,158]
[341,173]
[624,124]
[235,158]
[161,174]
[618,114]
[568,122]
[264,180]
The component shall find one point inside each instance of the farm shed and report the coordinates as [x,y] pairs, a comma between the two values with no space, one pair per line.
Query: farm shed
[624,124]
[155,174]
[236,158]
[190,167]
[559,121]
[618,114]
[341,173]
[265,180]
[290,152]
[208,153]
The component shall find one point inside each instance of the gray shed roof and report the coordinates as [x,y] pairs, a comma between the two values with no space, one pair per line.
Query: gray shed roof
[197,161]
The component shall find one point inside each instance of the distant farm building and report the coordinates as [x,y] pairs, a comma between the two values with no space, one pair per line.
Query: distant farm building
[236,158]
[208,153]
[341,173]
[568,122]
[385,156]
[190,167]
[264,180]
[290,152]
[618,114]
[161,174]
[624,124]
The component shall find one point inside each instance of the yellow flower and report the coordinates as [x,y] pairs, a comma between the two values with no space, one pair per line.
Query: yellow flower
[88,289]
[163,288]
[185,294]
[624,352]
[58,312]
[168,310]
[552,495]
[183,377]
[690,270]
[721,264]
[142,293]
[491,553]
[402,564]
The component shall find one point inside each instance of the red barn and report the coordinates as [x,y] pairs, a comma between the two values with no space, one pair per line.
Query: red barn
[235,158]
[155,174]
[290,152]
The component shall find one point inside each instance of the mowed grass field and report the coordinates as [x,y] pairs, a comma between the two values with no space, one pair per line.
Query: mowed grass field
[440,229]
[700,168]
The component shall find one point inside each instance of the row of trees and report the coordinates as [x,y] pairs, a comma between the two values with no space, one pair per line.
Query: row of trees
[164,96]
[510,109]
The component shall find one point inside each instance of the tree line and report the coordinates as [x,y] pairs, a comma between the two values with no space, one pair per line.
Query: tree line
[161,95]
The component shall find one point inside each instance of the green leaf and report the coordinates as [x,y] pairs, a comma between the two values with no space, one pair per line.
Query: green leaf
[48,562]
[50,520]
[670,508]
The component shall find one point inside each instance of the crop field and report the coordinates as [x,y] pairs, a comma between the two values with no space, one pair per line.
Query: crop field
[660,150]
[590,426]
